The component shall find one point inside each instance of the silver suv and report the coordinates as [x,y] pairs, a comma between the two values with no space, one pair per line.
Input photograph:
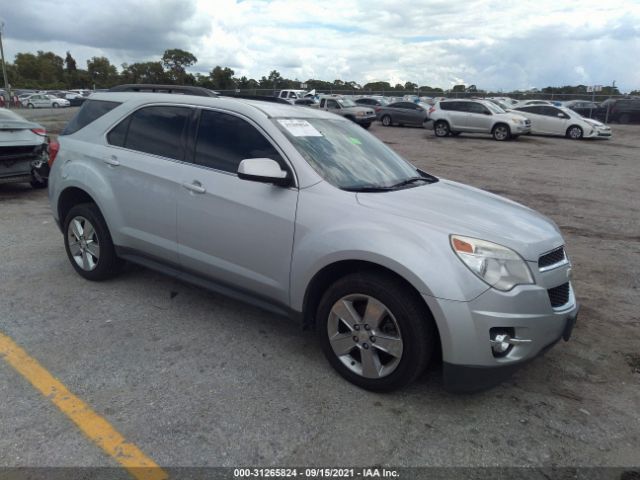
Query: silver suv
[453,117]
[304,213]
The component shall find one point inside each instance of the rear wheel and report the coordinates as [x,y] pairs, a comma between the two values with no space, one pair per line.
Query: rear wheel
[386,120]
[574,132]
[501,132]
[374,331]
[88,243]
[441,129]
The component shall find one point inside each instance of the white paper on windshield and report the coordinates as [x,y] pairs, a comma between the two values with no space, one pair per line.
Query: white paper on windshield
[299,128]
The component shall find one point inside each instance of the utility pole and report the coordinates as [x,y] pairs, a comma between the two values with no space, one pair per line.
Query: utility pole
[4,68]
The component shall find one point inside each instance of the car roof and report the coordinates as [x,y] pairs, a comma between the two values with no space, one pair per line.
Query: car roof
[270,109]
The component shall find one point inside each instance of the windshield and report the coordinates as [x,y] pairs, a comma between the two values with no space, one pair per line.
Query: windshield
[347,156]
[493,107]
[346,102]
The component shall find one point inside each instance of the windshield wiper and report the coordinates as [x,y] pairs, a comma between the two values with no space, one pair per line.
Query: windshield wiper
[368,188]
[409,181]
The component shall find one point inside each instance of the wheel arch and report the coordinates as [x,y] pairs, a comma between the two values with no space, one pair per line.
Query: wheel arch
[336,270]
[497,124]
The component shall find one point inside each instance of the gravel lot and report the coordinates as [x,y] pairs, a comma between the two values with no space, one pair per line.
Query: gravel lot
[195,379]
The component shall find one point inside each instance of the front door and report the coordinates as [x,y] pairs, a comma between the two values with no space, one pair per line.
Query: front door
[236,232]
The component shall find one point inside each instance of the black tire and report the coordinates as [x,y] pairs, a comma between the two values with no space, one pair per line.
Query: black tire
[108,264]
[386,120]
[38,184]
[574,132]
[365,125]
[31,105]
[624,118]
[416,326]
[501,132]
[55,105]
[441,128]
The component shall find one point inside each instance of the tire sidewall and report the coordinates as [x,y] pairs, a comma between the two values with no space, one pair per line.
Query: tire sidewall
[386,120]
[575,127]
[495,131]
[417,337]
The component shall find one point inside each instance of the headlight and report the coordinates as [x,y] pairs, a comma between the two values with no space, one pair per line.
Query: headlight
[517,120]
[499,266]
[360,114]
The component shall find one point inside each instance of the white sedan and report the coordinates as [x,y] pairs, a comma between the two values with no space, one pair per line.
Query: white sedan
[550,120]
[42,100]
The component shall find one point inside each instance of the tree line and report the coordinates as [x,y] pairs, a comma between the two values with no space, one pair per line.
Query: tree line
[48,71]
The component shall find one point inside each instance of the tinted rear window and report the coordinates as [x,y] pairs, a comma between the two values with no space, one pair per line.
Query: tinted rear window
[90,111]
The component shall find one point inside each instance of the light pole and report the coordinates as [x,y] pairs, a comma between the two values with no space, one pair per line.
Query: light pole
[4,68]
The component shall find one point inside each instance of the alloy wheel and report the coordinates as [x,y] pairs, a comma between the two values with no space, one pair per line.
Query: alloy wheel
[83,243]
[501,132]
[365,336]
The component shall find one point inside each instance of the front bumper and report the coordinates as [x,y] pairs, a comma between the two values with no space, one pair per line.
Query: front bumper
[520,129]
[469,363]
[368,119]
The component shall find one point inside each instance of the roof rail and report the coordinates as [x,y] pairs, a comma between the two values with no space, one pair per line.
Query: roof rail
[155,88]
[262,98]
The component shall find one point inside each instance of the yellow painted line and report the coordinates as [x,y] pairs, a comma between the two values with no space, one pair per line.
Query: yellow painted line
[92,425]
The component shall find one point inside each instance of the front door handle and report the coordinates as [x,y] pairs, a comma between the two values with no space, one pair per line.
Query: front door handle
[195,187]
[112,160]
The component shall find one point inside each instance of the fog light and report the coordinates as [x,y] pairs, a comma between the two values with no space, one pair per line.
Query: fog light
[501,341]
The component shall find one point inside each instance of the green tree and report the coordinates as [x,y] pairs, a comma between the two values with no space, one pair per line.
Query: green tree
[176,61]
[102,73]
[378,86]
[222,78]
[410,86]
[145,72]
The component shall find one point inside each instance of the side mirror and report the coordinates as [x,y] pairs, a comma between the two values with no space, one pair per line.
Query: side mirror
[487,112]
[563,115]
[263,170]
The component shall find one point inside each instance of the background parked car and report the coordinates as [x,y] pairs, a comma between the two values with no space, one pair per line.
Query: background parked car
[623,110]
[371,102]
[24,150]
[42,100]
[403,113]
[346,107]
[586,108]
[524,103]
[550,120]
[452,117]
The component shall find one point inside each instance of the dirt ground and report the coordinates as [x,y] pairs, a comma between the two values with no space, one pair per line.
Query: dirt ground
[196,379]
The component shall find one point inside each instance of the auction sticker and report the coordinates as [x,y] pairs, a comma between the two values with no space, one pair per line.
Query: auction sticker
[299,128]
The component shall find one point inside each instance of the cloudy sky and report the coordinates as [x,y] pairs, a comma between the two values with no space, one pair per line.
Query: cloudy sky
[498,45]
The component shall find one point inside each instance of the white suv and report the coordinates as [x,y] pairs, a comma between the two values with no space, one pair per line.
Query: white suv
[453,117]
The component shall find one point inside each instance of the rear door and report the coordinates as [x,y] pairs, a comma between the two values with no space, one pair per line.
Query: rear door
[237,232]
[143,165]
[534,114]
[456,114]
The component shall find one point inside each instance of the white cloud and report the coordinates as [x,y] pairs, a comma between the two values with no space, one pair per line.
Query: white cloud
[430,42]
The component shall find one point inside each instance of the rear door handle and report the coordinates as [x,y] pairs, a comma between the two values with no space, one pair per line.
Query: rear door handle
[195,187]
[112,160]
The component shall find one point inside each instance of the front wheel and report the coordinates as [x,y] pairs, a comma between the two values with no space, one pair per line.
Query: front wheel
[386,120]
[31,105]
[375,331]
[88,243]
[501,132]
[574,132]
[55,105]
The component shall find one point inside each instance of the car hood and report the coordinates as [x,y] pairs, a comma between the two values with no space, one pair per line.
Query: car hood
[455,208]
[591,121]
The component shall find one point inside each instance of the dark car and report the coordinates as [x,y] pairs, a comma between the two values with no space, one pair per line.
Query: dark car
[622,110]
[587,109]
[403,113]
[371,102]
